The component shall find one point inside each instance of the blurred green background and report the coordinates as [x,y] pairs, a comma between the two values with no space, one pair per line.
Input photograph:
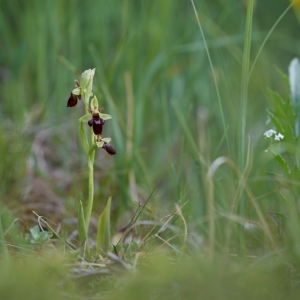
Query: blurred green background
[153,77]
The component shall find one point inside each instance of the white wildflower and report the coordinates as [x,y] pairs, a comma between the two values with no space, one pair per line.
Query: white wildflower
[278,137]
[269,133]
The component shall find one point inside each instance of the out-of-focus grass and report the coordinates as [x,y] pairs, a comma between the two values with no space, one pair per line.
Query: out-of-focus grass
[159,45]
[153,77]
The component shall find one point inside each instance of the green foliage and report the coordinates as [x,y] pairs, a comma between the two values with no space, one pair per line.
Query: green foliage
[173,112]
[83,136]
[38,236]
[283,116]
[82,229]
[103,231]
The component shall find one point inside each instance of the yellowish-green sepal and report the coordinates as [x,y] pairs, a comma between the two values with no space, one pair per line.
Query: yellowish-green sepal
[85,118]
[76,91]
[105,116]
[106,140]
[99,144]
[94,103]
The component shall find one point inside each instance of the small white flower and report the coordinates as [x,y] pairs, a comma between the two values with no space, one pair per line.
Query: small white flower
[269,133]
[279,137]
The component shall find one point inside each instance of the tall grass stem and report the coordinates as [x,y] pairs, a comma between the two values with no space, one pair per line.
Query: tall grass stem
[214,77]
[244,98]
[268,35]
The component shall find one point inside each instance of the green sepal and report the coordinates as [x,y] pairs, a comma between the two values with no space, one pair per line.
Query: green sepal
[105,116]
[86,84]
[86,77]
[84,140]
[76,91]
[106,140]
[81,223]
[99,144]
[103,232]
[85,118]
[94,103]
[39,236]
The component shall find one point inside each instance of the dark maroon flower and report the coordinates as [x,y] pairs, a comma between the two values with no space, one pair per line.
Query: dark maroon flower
[97,124]
[109,148]
[73,100]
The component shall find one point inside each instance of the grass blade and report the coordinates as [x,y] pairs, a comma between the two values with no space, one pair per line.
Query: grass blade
[214,77]
[103,232]
[82,230]
[244,96]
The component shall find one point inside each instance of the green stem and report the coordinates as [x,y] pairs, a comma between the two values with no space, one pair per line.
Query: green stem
[89,207]
[244,96]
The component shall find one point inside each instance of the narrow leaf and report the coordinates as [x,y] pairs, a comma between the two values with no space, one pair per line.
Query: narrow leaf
[81,223]
[103,232]
[84,139]
[92,149]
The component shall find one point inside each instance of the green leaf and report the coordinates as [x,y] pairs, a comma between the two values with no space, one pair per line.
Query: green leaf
[283,116]
[92,149]
[39,236]
[105,116]
[291,173]
[84,139]
[81,223]
[280,215]
[85,118]
[103,232]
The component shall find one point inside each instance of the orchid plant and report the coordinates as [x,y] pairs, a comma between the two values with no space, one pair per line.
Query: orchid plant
[96,120]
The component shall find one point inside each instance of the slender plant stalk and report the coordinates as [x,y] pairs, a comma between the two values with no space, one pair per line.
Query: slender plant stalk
[244,96]
[91,158]
[214,77]
[89,207]
[268,35]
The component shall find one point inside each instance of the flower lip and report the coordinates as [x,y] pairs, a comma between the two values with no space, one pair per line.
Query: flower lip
[72,100]
[97,124]
[109,148]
